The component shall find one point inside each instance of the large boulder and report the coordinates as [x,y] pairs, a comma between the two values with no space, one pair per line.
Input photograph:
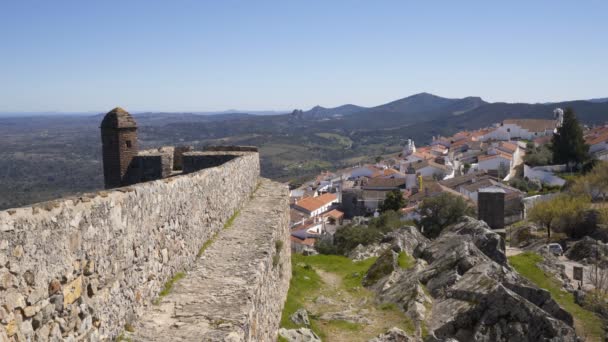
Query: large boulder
[502,315]
[299,335]
[587,250]
[300,317]
[393,335]
[462,287]
[384,266]
[407,239]
[361,252]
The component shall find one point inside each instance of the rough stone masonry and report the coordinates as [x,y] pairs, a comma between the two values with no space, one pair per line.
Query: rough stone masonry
[86,268]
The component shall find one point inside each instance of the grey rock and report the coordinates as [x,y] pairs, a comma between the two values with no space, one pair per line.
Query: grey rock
[300,317]
[407,239]
[588,249]
[350,316]
[384,266]
[473,292]
[324,300]
[361,252]
[299,335]
[393,335]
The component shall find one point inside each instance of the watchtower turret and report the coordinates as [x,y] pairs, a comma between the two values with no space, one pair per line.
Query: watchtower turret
[119,146]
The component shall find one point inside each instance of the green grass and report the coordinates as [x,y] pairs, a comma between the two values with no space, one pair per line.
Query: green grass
[526,265]
[169,286]
[344,325]
[352,273]
[230,221]
[340,139]
[304,282]
[208,243]
[388,306]
[306,285]
[123,338]
[282,339]
[405,261]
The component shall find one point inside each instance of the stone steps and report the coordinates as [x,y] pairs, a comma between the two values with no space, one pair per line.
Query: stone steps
[236,290]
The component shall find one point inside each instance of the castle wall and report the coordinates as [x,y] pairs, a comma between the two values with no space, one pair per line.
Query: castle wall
[85,267]
[194,161]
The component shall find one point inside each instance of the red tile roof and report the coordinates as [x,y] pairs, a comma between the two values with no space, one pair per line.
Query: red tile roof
[307,241]
[491,156]
[335,214]
[533,125]
[314,203]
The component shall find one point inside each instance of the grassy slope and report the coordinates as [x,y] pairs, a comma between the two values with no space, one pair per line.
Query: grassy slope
[405,261]
[588,325]
[306,285]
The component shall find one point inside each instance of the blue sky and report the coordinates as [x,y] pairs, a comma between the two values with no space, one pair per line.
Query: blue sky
[213,55]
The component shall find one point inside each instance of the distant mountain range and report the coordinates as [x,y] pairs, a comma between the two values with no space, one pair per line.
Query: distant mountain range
[599,100]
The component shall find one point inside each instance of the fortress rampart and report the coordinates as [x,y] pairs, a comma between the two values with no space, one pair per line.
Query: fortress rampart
[86,268]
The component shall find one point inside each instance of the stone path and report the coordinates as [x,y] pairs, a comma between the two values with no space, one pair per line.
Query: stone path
[236,290]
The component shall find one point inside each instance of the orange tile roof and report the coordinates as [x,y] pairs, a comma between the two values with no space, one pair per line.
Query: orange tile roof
[336,214]
[499,154]
[509,146]
[532,125]
[386,172]
[307,241]
[314,203]
[596,139]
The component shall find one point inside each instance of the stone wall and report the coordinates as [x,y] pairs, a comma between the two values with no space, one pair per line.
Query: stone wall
[83,268]
[194,161]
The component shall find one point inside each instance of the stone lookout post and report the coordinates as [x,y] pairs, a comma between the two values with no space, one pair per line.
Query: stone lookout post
[119,146]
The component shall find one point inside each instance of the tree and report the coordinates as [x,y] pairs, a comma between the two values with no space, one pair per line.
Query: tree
[594,184]
[568,145]
[441,211]
[393,201]
[562,211]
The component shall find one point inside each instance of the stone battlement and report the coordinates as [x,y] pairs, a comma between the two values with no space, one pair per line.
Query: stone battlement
[84,267]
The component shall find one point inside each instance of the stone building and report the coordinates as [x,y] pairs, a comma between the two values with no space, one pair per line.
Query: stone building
[119,145]
[491,207]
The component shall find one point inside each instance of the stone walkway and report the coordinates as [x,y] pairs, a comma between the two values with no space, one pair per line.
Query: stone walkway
[236,290]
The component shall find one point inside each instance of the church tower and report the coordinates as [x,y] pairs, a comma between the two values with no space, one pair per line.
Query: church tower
[119,146]
[409,148]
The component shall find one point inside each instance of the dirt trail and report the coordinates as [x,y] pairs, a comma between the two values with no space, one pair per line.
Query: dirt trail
[362,318]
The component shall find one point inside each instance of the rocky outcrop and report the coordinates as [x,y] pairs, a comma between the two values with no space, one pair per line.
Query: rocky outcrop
[365,252]
[299,335]
[393,335]
[300,317]
[462,287]
[587,250]
[385,265]
[407,239]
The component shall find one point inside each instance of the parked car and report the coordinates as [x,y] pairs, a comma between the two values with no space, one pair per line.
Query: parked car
[556,249]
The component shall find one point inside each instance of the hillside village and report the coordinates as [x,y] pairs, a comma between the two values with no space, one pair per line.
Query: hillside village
[499,175]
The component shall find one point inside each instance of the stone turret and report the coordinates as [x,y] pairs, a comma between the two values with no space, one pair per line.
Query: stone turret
[119,146]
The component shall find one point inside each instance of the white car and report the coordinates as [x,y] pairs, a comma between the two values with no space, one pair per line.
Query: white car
[555,248]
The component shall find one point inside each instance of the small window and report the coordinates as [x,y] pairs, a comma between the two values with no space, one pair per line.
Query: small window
[129,143]
[508,130]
